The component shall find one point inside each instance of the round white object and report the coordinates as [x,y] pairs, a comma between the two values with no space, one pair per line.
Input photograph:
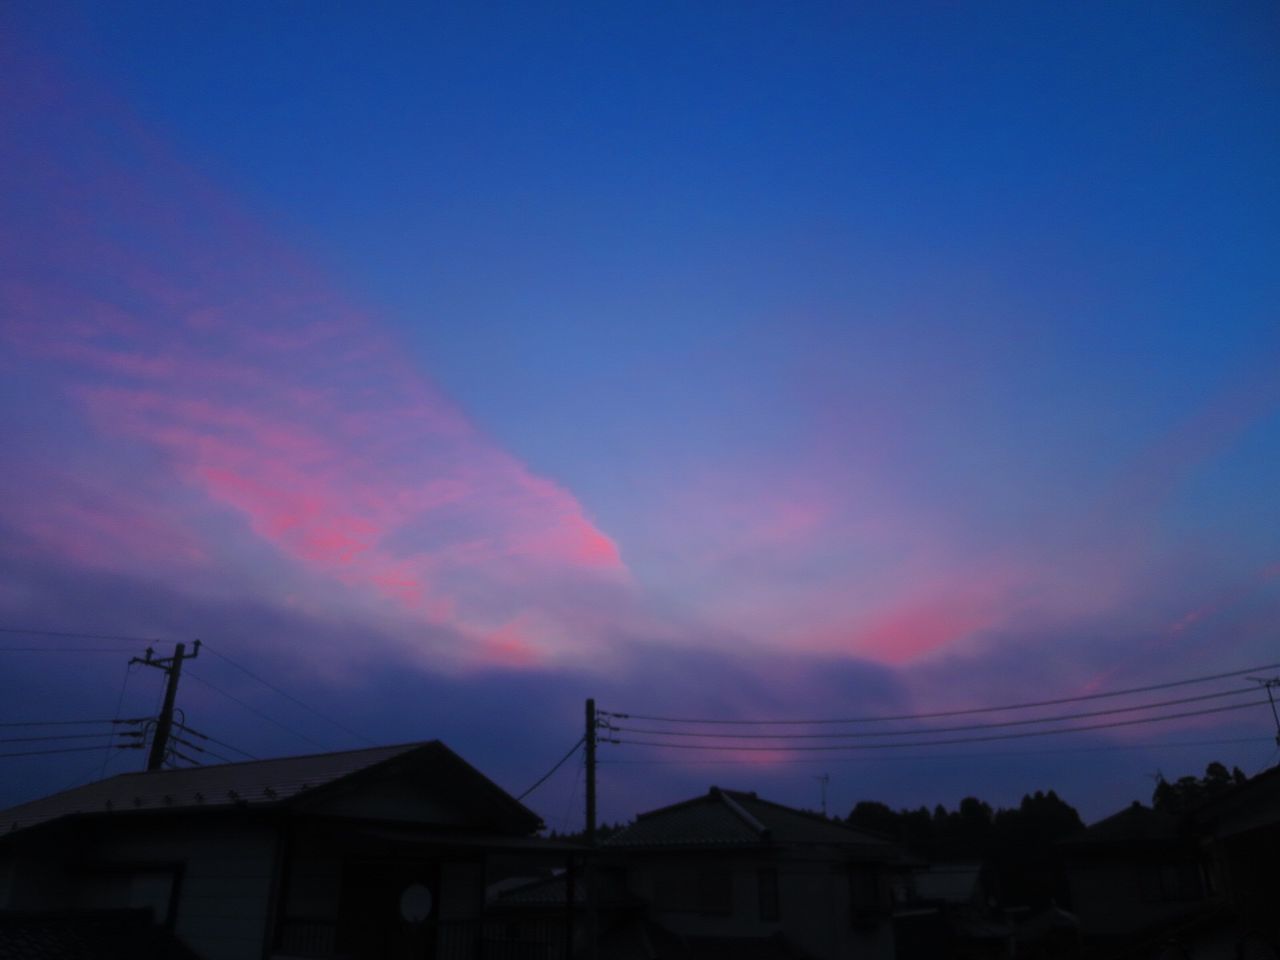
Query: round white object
[416,903]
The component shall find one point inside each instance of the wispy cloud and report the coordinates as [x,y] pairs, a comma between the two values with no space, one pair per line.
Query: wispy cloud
[184,333]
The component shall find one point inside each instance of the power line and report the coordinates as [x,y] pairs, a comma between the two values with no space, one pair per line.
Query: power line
[43,753]
[68,649]
[921,731]
[565,822]
[948,713]
[809,748]
[290,697]
[954,755]
[221,743]
[255,711]
[559,763]
[63,736]
[75,635]
[183,756]
[106,752]
[200,749]
[69,723]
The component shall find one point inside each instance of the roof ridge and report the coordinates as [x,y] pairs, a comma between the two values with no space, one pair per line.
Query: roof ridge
[135,778]
[700,798]
[810,814]
[741,812]
[409,745]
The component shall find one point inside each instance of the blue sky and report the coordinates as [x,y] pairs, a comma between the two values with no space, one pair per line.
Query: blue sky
[932,345]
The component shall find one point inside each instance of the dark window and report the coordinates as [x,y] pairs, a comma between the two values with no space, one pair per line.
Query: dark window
[868,893]
[767,879]
[715,892]
[674,890]
[1172,883]
[705,890]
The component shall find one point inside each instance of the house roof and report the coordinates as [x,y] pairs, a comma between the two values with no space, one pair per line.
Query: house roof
[735,818]
[252,784]
[1135,824]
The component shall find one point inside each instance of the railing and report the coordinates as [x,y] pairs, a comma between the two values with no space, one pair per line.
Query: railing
[515,938]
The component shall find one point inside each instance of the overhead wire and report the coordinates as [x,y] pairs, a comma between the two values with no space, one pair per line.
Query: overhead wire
[953,755]
[150,641]
[43,753]
[199,749]
[76,635]
[811,748]
[1027,705]
[183,756]
[221,743]
[254,710]
[69,723]
[58,737]
[924,731]
[559,763]
[565,821]
[68,649]
[106,749]
[290,697]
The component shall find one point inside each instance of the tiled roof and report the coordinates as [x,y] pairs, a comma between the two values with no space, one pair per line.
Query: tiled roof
[734,818]
[255,783]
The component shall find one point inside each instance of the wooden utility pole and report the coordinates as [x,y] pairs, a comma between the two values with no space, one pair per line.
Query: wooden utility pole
[593,937]
[172,667]
[591,772]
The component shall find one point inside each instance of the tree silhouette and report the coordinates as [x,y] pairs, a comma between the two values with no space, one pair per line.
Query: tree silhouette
[1187,792]
[1017,846]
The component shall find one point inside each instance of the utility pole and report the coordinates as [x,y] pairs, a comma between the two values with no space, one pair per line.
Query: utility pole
[172,667]
[593,944]
[825,779]
[591,772]
[1270,683]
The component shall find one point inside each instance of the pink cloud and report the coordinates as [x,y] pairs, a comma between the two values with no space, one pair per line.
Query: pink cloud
[287,416]
[928,618]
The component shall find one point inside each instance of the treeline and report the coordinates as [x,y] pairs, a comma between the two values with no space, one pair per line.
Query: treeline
[1017,847]
[603,832]
[1185,793]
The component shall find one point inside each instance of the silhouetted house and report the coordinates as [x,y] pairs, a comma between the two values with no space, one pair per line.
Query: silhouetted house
[383,852]
[1132,874]
[731,875]
[1240,836]
[1200,884]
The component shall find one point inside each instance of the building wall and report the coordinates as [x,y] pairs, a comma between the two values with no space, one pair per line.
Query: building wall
[331,887]
[227,871]
[394,800]
[223,872]
[717,896]
[1115,898]
[35,879]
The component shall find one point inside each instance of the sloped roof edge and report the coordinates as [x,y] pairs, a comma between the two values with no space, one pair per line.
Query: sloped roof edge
[253,784]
